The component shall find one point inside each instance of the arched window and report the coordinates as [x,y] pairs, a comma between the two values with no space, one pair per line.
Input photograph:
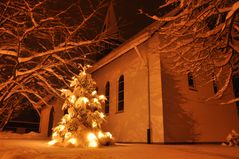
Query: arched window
[97,89]
[235,84]
[50,122]
[121,93]
[215,87]
[191,82]
[107,95]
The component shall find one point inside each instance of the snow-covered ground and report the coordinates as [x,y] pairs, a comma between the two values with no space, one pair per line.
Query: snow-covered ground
[30,135]
[34,146]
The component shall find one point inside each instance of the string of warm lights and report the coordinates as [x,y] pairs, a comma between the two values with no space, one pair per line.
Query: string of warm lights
[81,126]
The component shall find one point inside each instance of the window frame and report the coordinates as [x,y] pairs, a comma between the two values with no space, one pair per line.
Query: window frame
[191,81]
[120,94]
[107,95]
[215,86]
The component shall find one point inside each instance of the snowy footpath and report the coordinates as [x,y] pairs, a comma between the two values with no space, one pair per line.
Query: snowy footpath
[33,146]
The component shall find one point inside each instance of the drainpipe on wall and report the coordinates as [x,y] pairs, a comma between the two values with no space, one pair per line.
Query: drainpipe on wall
[146,64]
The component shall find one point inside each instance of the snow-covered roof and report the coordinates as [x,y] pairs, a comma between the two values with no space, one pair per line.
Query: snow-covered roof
[134,41]
[119,51]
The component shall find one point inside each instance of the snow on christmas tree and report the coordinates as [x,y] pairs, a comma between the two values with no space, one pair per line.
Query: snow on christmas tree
[81,126]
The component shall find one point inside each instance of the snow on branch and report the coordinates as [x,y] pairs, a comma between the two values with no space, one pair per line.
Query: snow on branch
[231,101]
[202,36]
[42,44]
[62,47]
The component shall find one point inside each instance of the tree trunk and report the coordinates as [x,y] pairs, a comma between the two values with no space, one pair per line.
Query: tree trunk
[5,120]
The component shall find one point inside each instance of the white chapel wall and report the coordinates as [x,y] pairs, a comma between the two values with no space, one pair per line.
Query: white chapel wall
[178,114]
[147,49]
[130,125]
[45,116]
[188,116]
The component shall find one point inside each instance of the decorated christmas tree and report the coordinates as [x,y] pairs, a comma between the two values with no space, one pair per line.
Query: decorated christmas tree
[81,125]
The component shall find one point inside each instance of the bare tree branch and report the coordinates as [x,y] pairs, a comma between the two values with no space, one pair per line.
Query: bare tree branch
[42,46]
[201,37]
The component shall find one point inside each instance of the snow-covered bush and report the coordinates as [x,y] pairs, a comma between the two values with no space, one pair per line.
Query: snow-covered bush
[232,139]
[81,125]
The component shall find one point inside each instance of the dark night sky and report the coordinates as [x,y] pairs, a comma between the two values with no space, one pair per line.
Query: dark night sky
[127,12]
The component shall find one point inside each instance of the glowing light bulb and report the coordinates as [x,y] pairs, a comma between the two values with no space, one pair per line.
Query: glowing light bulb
[102,115]
[102,97]
[68,117]
[61,127]
[94,93]
[63,120]
[93,144]
[92,139]
[72,99]
[91,136]
[100,135]
[88,66]
[96,100]
[109,135]
[94,124]
[54,134]
[68,135]
[73,82]
[52,142]
[63,90]
[85,100]
[72,141]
